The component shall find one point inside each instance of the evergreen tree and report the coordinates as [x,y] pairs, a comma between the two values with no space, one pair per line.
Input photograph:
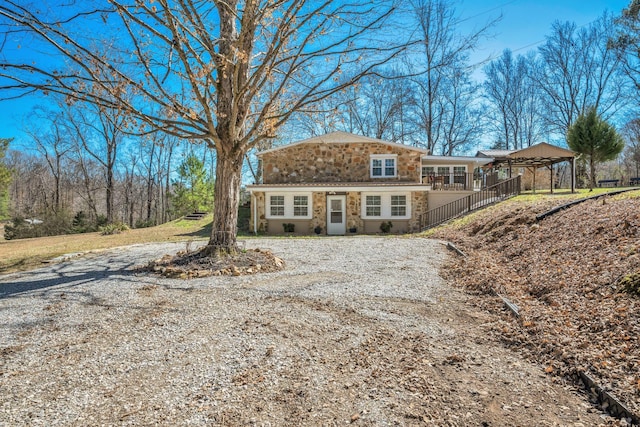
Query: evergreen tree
[595,139]
[194,189]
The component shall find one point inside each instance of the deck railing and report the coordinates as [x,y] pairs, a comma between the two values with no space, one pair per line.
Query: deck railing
[479,199]
[454,181]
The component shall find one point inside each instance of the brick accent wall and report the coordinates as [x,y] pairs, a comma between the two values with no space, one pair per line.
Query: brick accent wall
[336,162]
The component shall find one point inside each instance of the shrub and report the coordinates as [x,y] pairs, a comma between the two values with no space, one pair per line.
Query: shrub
[289,227]
[17,229]
[631,284]
[50,225]
[101,221]
[81,223]
[145,223]
[113,228]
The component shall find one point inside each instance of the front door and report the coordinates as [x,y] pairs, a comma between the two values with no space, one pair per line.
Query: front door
[336,216]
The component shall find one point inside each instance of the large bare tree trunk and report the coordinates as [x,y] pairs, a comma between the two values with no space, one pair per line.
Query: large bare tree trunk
[228,73]
[227,198]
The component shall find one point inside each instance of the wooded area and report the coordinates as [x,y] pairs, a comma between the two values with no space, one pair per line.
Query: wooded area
[164,101]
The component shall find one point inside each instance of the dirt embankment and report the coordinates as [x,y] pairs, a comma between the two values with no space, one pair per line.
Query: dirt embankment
[575,277]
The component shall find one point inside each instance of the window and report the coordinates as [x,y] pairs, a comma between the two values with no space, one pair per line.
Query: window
[373,206]
[398,205]
[376,167]
[300,205]
[389,167]
[460,174]
[428,171]
[383,166]
[288,205]
[386,205]
[277,205]
[443,171]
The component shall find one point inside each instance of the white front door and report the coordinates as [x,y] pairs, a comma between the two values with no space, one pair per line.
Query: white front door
[336,215]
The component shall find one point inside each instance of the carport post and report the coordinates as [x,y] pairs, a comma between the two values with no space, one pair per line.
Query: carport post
[573,174]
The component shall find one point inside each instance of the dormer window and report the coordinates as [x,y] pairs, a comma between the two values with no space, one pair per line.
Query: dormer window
[384,165]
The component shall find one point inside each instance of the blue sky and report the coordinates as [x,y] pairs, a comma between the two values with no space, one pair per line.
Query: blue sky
[524,25]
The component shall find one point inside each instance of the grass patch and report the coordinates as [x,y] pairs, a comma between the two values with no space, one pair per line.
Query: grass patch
[25,254]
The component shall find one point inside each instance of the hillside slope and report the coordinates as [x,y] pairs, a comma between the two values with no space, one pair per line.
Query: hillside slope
[575,277]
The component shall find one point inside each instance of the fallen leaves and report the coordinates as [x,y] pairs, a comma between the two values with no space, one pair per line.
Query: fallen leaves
[575,276]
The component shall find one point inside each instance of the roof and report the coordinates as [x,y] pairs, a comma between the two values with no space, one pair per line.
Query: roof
[340,137]
[543,149]
[494,153]
[456,159]
[542,154]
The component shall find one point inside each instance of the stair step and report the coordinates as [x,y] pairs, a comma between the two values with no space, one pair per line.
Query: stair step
[195,216]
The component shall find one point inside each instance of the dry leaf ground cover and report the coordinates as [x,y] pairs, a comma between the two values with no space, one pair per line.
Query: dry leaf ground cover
[574,276]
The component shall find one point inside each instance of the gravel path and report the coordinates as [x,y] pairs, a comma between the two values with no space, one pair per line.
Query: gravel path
[357,330]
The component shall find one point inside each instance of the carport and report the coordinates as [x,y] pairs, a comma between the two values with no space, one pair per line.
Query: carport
[533,158]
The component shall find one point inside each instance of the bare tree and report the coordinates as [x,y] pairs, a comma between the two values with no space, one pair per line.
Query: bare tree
[579,70]
[626,42]
[514,95]
[89,177]
[375,107]
[128,191]
[99,131]
[462,122]
[444,51]
[631,134]
[228,73]
[52,142]
[30,190]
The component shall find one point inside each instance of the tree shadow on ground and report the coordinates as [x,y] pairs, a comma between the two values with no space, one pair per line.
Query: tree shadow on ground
[61,278]
[204,232]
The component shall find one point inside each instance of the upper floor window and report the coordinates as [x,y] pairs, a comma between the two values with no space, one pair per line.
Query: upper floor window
[383,165]
[428,171]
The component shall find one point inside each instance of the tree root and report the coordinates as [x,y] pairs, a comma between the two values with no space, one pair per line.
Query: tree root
[213,261]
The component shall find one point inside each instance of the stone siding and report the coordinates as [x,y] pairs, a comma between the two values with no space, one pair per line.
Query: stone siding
[336,162]
[419,205]
[319,212]
[354,221]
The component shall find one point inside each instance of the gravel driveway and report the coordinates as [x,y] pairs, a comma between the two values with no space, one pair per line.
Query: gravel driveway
[355,330]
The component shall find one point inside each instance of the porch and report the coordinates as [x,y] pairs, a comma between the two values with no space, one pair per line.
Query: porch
[454,173]
[455,181]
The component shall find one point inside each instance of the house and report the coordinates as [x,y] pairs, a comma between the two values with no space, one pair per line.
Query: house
[341,183]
